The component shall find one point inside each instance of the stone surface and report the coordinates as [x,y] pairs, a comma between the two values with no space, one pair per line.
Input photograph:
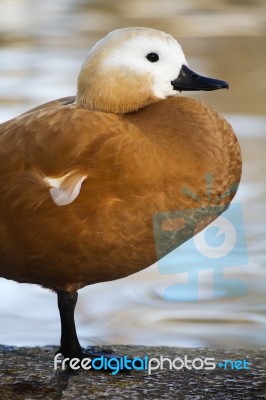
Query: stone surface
[28,373]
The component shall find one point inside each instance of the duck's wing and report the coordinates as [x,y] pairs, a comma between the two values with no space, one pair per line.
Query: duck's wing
[48,152]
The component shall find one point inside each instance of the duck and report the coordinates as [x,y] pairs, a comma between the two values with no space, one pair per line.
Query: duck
[83,177]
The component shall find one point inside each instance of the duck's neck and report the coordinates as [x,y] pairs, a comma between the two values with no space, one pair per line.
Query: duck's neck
[113,91]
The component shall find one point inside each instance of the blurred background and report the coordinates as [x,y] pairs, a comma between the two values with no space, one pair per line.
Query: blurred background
[42,47]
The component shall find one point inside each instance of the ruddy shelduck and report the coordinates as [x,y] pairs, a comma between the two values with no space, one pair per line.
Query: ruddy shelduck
[82,177]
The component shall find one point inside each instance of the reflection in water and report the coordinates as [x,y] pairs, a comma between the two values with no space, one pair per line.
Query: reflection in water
[42,47]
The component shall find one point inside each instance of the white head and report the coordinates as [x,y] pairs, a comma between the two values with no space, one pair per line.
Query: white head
[129,69]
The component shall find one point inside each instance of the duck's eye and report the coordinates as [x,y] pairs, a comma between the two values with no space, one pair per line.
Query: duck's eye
[152,57]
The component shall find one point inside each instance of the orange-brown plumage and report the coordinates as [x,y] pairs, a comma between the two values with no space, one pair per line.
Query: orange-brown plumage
[136,165]
[80,187]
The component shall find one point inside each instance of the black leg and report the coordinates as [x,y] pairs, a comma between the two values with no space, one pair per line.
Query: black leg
[70,346]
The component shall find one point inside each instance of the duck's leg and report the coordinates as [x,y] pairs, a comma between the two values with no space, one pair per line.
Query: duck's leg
[70,346]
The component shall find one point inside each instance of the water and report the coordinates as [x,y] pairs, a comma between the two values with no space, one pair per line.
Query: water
[42,46]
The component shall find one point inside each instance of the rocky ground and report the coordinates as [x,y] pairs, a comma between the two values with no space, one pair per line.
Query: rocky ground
[28,373]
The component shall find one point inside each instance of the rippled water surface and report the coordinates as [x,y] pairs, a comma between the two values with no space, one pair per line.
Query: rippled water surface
[42,46]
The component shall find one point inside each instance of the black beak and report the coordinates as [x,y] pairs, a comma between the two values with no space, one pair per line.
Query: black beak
[189,80]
